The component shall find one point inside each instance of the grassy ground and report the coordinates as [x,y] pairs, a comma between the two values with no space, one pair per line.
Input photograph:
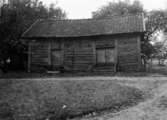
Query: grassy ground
[67,96]
[38,100]
[154,108]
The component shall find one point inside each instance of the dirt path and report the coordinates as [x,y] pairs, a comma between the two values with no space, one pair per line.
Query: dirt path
[152,109]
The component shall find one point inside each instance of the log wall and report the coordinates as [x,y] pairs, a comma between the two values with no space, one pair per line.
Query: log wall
[79,54]
[128,53]
[39,56]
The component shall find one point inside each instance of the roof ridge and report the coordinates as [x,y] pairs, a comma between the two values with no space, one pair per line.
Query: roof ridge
[94,19]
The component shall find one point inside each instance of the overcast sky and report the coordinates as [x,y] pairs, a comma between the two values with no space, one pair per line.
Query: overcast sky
[77,9]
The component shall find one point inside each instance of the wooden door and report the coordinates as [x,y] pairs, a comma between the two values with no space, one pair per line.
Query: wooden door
[110,56]
[56,57]
[100,55]
[105,55]
[56,53]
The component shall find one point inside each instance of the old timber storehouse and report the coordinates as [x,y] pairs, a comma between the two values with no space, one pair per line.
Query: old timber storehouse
[87,45]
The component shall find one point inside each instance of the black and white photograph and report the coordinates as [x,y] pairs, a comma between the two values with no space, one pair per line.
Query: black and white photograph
[83,59]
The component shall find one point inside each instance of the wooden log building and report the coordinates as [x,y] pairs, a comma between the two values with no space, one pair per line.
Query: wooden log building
[87,45]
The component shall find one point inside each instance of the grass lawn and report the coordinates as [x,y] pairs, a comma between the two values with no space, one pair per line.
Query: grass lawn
[52,99]
[154,108]
[151,109]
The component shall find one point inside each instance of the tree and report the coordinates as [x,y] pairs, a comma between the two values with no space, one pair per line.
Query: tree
[17,16]
[56,12]
[155,22]
[120,8]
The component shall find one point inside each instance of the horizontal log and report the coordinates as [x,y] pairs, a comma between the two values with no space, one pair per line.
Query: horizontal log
[128,61]
[85,54]
[127,54]
[74,56]
[39,55]
[129,40]
[39,60]
[78,53]
[127,47]
[78,68]
[40,50]
[79,50]
[80,61]
[39,63]
[80,56]
[83,63]
[129,64]
[105,41]
[127,58]
[37,47]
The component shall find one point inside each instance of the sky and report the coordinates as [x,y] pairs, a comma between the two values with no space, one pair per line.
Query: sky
[79,9]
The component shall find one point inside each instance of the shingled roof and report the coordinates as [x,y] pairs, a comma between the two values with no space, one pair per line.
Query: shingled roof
[85,27]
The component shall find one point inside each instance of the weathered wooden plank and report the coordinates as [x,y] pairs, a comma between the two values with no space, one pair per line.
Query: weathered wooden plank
[37,49]
[40,55]
[128,40]
[139,52]
[104,68]
[49,53]
[40,60]
[79,55]
[29,57]
[128,48]
[129,67]
[40,51]
[128,59]
[116,55]
[124,54]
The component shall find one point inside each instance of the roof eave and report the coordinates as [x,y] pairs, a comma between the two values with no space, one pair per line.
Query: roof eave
[48,37]
[24,34]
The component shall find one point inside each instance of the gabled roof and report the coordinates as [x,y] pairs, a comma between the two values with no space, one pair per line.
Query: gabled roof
[85,27]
